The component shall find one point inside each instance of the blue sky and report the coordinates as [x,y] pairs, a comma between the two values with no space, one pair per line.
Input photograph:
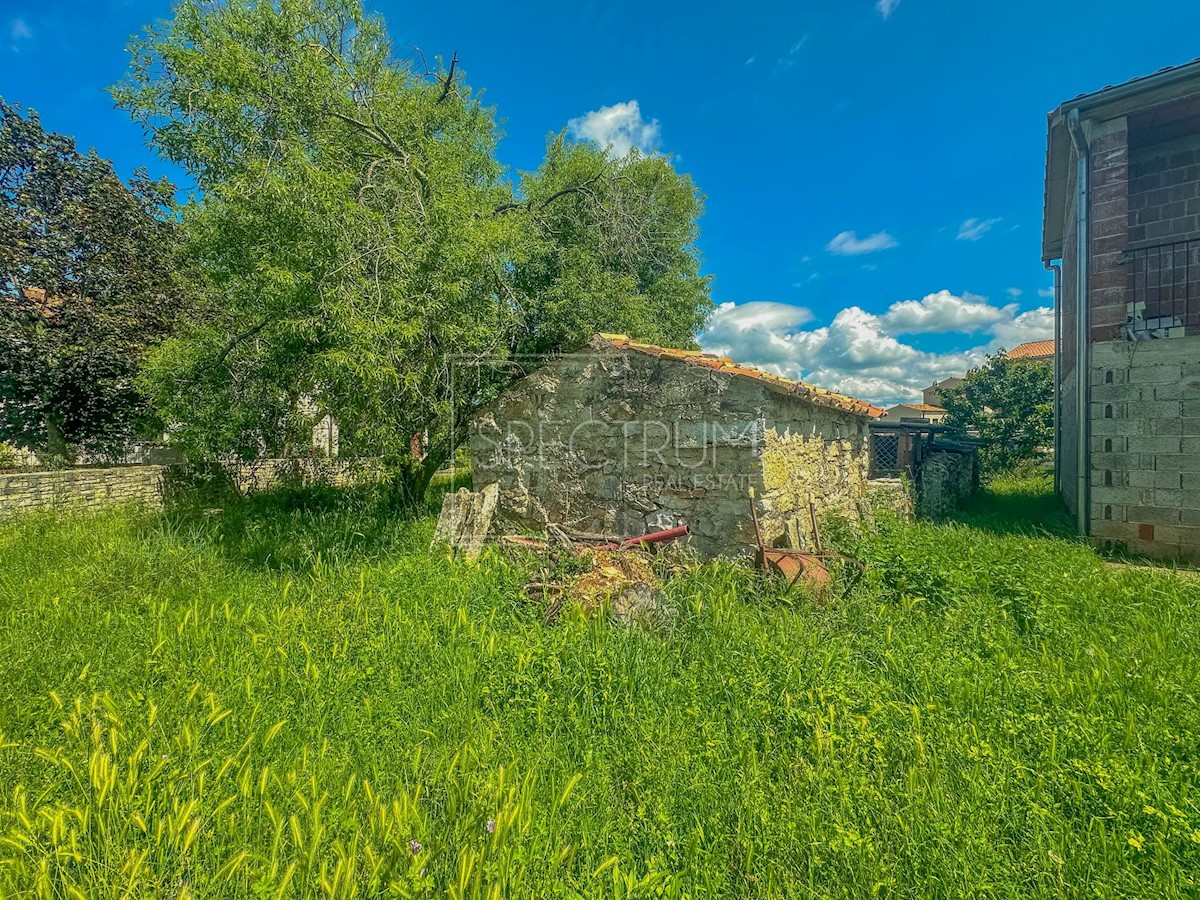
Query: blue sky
[873,168]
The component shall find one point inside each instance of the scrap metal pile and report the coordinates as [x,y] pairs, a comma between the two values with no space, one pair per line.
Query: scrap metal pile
[623,577]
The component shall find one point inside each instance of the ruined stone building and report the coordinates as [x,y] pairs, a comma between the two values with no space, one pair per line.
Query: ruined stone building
[624,438]
[1122,222]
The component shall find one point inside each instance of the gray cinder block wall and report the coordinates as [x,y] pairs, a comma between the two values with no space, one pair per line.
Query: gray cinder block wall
[1145,477]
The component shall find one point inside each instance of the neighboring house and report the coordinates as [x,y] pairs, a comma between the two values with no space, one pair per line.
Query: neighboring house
[1122,217]
[624,438]
[932,395]
[1037,351]
[915,412]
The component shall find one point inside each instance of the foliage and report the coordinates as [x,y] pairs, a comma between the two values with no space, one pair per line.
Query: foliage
[280,699]
[87,286]
[357,235]
[1008,405]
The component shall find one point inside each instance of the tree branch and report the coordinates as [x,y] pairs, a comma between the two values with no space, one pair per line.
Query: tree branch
[449,81]
[531,205]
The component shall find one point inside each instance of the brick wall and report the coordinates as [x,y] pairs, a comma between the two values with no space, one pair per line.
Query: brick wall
[1108,279]
[1145,473]
[87,488]
[1164,191]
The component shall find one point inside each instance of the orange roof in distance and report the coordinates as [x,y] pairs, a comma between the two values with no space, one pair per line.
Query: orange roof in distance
[1032,350]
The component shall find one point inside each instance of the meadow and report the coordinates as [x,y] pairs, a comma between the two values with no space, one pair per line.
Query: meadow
[293,697]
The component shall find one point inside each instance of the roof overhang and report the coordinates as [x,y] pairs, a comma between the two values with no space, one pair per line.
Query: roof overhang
[1139,94]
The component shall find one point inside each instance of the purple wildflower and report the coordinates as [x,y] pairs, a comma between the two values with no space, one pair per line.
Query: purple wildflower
[414,847]
[491,826]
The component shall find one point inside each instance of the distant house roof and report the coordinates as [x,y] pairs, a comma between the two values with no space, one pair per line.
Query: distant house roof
[920,407]
[1032,350]
[952,380]
[801,389]
[1164,86]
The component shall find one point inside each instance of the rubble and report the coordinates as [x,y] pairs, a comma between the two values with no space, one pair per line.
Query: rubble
[466,520]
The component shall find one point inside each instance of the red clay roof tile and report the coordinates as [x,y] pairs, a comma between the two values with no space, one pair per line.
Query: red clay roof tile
[801,389]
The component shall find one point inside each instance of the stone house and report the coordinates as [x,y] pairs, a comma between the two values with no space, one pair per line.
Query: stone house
[1122,230]
[624,438]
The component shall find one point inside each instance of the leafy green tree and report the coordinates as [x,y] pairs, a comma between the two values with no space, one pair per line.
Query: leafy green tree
[610,246]
[355,232]
[87,286]
[1008,405]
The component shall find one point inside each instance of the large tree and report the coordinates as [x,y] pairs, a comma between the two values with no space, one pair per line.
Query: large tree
[357,235]
[87,286]
[1007,404]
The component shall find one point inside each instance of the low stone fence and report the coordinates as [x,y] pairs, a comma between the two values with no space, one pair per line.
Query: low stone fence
[259,475]
[83,487]
[89,488]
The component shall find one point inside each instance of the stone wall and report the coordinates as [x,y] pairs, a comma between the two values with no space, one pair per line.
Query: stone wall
[947,478]
[1145,473]
[259,475]
[621,442]
[83,487]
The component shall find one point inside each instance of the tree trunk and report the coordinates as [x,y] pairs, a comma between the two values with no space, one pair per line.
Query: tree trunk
[408,479]
[58,451]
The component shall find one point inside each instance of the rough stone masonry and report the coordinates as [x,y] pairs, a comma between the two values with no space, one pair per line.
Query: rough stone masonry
[623,438]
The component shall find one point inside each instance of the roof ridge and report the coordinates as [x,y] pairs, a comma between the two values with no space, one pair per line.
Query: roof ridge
[810,392]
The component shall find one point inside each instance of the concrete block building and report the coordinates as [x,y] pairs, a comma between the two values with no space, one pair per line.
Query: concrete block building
[624,438]
[1122,232]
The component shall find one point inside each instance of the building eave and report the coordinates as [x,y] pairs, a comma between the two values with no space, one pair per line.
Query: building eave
[1144,92]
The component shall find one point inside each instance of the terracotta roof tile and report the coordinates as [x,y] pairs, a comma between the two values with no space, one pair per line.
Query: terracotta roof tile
[1032,350]
[805,391]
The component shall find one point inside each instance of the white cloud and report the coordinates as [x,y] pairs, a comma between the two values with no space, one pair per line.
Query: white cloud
[974,229]
[886,7]
[858,353]
[1046,292]
[19,31]
[944,312]
[1014,292]
[1034,325]
[619,128]
[751,60]
[850,244]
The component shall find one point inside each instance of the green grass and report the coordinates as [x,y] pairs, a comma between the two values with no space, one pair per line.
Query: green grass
[277,699]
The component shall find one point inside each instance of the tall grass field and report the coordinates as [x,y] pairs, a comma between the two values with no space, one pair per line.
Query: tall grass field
[295,698]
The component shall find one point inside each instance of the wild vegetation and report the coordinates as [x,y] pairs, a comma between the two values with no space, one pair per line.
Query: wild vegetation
[293,697]
[360,248]
[1008,406]
[100,257]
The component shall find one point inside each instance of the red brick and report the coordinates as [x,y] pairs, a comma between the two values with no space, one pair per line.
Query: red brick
[1113,243]
[1114,175]
[1110,227]
[1145,532]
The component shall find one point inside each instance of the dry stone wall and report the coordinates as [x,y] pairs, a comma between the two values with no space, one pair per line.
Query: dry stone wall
[259,475]
[81,488]
[947,478]
[622,442]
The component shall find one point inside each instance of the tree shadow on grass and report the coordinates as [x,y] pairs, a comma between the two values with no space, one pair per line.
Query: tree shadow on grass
[293,529]
[1025,505]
